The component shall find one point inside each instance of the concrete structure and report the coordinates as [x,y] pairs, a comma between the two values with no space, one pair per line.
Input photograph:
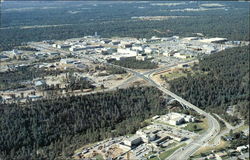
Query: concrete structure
[177,118]
[105,41]
[213,40]
[190,38]
[189,118]
[176,121]
[124,147]
[176,137]
[180,55]
[240,148]
[63,46]
[67,61]
[169,53]
[146,135]
[126,51]
[120,57]
[148,50]
[154,39]
[114,42]
[16,52]
[83,47]
[40,83]
[53,53]
[160,140]
[32,97]
[41,54]
[125,45]
[209,49]
[155,117]
[76,48]
[137,48]
[141,58]
[221,154]
[132,141]
[4,57]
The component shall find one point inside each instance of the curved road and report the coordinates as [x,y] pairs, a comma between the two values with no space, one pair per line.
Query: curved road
[185,152]
[213,125]
[229,127]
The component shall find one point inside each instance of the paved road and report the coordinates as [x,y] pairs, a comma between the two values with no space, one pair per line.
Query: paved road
[229,127]
[202,140]
[191,148]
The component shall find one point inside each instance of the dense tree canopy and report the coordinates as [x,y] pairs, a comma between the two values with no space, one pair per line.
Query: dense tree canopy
[222,79]
[109,19]
[135,64]
[45,129]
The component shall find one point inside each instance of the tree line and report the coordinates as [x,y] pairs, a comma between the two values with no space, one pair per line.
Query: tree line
[135,64]
[49,129]
[221,80]
[232,24]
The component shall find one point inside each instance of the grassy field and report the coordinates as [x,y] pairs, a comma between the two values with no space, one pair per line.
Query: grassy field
[99,157]
[206,149]
[177,73]
[241,128]
[174,75]
[167,153]
[200,128]
[193,127]
[170,151]
[170,145]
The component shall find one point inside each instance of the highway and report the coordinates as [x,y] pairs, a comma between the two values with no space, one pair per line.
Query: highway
[213,125]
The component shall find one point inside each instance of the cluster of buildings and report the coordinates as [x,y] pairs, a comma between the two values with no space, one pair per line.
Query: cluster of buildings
[153,137]
[75,53]
[122,48]
[16,54]
[155,134]
[240,153]
[143,49]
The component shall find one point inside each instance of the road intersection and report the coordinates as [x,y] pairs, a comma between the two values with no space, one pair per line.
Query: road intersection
[213,125]
[182,153]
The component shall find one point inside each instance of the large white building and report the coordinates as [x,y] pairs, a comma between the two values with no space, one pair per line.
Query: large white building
[137,48]
[148,50]
[213,40]
[63,46]
[67,61]
[126,51]
[132,141]
[16,52]
[182,56]
[177,118]
[146,135]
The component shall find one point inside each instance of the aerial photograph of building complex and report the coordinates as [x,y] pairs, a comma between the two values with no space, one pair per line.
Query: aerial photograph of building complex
[124,80]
